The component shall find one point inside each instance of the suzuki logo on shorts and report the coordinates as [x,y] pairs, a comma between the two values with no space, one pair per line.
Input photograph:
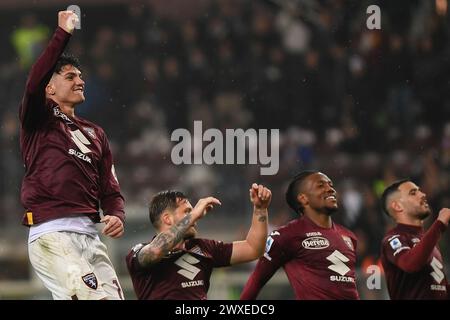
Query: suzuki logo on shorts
[338,262]
[186,262]
[315,243]
[437,273]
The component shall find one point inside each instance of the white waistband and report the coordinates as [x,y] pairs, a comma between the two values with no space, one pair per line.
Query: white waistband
[79,224]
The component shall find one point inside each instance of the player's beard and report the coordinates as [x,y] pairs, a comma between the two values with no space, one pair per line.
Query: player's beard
[330,211]
[325,209]
[422,215]
[421,211]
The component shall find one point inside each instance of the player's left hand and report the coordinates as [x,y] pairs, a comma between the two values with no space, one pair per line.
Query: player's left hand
[114,226]
[260,196]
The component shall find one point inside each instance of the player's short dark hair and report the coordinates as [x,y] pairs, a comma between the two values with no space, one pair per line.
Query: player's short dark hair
[294,189]
[388,191]
[66,59]
[162,201]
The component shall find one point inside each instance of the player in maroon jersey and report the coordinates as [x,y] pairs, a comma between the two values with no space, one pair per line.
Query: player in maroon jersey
[175,264]
[69,173]
[317,254]
[410,257]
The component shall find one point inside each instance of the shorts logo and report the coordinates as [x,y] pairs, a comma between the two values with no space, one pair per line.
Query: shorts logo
[90,280]
[348,242]
[315,243]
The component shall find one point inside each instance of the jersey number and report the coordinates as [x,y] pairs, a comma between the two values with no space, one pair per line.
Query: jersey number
[437,273]
[338,262]
[186,262]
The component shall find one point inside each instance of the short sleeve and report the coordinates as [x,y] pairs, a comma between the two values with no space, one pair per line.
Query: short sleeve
[132,259]
[277,248]
[219,251]
[394,247]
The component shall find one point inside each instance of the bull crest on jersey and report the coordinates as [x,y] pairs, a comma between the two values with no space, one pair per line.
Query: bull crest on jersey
[90,280]
[90,132]
[348,242]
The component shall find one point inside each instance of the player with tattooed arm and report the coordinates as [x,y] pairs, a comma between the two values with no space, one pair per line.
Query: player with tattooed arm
[175,264]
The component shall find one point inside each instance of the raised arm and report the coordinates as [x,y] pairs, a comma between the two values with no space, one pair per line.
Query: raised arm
[414,259]
[167,240]
[253,246]
[32,109]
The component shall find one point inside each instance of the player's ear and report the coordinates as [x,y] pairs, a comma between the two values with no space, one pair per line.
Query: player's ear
[50,89]
[396,206]
[166,218]
[302,199]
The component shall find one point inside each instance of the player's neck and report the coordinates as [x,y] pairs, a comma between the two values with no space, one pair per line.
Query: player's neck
[320,219]
[411,222]
[68,110]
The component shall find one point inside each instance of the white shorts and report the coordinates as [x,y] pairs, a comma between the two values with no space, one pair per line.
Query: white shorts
[74,266]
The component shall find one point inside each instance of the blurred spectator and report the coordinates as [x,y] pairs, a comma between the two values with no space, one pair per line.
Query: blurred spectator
[29,39]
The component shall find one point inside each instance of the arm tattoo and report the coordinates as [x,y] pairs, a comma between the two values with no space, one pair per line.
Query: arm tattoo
[164,242]
[261,214]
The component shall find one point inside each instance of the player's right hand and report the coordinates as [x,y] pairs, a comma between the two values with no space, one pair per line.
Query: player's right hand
[203,206]
[444,216]
[67,20]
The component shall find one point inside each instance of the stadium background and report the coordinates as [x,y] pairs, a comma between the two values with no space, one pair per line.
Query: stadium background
[364,106]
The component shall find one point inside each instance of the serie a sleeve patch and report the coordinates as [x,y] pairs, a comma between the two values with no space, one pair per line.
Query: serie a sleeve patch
[395,243]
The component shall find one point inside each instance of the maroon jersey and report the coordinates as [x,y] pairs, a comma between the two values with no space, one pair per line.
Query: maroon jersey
[413,264]
[68,163]
[181,275]
[319,262]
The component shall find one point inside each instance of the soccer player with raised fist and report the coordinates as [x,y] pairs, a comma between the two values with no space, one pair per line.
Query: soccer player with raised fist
[69,175]
[317,254]
[411,258]
[175,264]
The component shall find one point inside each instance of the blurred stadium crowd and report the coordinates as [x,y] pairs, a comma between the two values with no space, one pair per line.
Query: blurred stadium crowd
[364,106]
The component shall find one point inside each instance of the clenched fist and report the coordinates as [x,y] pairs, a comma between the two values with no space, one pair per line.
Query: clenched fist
[444,216]
[67,20]
[260,196]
